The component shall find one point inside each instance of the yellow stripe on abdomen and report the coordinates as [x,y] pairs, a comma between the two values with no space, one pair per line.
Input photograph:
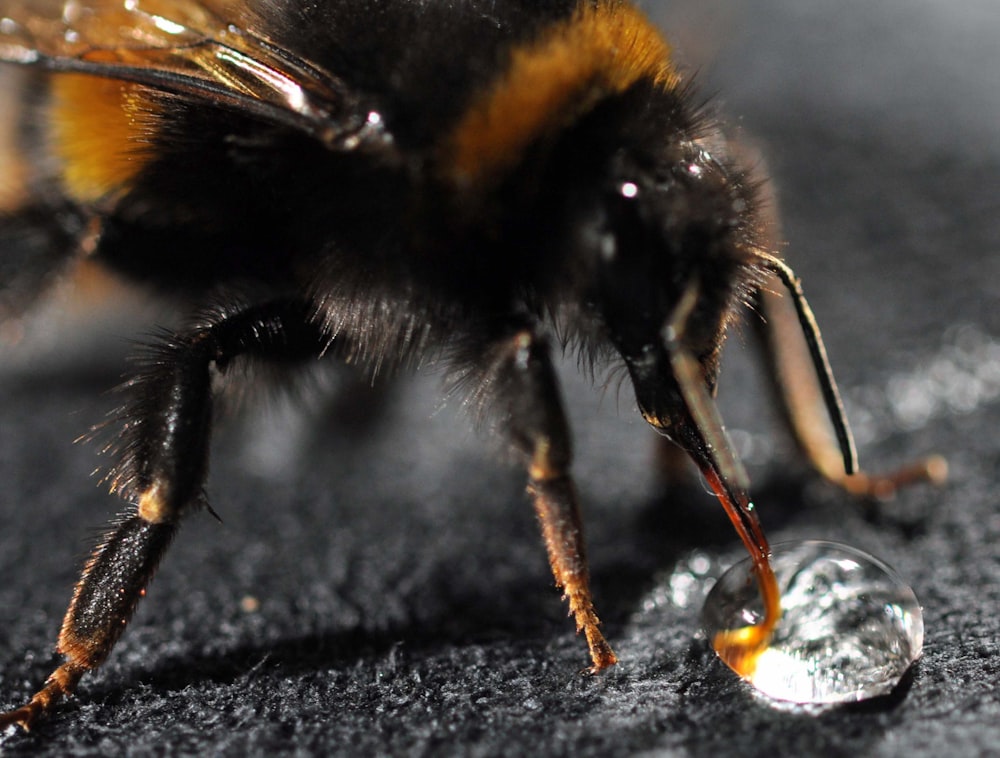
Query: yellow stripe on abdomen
[100,131]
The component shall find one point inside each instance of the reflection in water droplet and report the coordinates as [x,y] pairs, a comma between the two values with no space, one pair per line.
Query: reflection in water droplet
[850,627]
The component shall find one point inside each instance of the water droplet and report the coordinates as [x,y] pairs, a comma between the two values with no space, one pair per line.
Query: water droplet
[849,630]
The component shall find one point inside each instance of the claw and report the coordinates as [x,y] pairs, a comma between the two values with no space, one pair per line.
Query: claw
[61,683]
[932,469]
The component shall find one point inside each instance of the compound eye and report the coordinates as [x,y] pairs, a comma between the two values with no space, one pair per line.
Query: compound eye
[628,190]
[693,170]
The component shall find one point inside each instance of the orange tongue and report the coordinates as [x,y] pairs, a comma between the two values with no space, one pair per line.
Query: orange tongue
[740,648]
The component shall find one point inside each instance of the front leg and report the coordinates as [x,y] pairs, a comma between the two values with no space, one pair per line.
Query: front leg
[518,383]
[805,414]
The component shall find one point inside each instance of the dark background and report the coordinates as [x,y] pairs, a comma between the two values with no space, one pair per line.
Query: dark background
[380,588]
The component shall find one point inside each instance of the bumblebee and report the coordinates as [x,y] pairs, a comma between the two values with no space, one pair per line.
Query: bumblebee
[394,183]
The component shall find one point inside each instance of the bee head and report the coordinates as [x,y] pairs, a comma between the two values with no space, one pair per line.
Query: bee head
[670,258]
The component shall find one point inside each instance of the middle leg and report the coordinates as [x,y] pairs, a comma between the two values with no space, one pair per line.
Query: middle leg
[162,460]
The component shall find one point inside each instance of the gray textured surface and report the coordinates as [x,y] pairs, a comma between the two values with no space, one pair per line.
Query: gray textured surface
[405,606]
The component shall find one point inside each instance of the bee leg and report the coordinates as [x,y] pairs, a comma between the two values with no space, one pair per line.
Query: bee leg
[37,241]
[794,380]
[162,464]
[523,387]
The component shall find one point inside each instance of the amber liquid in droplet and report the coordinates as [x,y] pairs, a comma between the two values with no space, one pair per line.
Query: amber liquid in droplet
[741,647]
[847,630]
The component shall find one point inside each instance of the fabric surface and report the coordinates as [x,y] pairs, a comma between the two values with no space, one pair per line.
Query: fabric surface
[377,585]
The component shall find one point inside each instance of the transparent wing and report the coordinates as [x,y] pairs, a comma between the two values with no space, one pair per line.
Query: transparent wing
[187,47]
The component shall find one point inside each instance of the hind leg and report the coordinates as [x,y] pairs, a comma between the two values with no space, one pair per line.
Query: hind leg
[37,242]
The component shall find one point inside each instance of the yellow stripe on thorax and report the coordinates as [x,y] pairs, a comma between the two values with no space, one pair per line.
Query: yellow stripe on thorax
[100,131]
[600,50]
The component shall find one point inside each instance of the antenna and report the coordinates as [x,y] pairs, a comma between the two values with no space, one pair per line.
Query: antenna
[828,385]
